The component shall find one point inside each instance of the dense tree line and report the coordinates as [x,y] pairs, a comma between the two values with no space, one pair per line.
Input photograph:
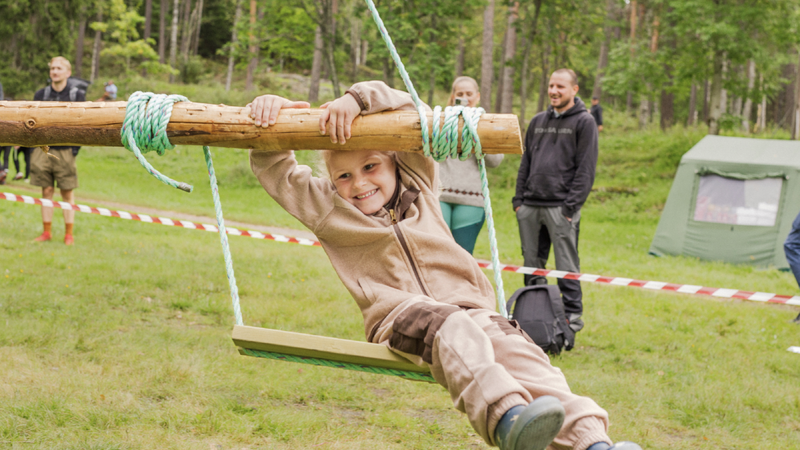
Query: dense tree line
[726,63]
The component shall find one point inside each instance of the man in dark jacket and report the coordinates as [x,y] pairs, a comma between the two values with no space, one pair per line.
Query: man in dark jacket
[57,167]
[554,180]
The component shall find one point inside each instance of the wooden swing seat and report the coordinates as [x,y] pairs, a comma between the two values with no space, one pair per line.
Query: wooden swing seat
[365,354]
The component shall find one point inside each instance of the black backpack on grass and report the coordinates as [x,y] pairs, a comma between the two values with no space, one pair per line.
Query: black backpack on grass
[539,310]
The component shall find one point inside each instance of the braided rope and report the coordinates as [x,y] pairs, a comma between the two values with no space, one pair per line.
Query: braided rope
[145,130]
[445,144]
[145,127]
[415,376]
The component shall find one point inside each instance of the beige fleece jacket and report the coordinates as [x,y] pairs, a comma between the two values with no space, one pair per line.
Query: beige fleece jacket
[381,263]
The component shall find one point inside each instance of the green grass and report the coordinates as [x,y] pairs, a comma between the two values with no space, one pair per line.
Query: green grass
[122,341]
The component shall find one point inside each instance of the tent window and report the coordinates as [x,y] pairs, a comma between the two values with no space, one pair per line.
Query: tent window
[738,202]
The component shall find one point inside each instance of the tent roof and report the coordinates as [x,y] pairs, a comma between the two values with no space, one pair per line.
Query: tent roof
[737,150]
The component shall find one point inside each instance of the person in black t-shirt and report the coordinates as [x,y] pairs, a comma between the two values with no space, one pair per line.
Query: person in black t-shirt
[597,113]
[58,165]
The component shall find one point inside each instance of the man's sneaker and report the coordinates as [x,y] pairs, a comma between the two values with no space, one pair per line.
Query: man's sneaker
[3,175]
[18,176]
[531,427]
[624,445]
[68,239]
[44,237]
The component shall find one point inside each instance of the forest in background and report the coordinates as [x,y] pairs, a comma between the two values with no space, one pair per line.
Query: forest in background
[731,64]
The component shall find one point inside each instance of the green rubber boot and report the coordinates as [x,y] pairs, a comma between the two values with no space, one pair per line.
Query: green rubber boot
[531,427]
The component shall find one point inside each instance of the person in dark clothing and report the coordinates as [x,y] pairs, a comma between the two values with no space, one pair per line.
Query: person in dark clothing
[58,165]
[791,248]
[4,151]
[554,180]
[26,157]
[597,113]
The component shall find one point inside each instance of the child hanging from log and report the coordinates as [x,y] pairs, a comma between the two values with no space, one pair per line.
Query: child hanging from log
[421,294]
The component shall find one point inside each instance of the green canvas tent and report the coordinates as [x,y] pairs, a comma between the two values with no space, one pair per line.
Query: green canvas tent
[733,199]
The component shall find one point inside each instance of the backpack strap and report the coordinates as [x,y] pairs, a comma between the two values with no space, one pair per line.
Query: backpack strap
[73,93]
[47,91]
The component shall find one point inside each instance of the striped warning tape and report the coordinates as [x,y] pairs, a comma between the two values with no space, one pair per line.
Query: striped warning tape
[616,281]
[150,219]
[654,285]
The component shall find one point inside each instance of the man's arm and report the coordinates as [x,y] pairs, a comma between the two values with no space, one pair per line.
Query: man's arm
[586,163]
[524,167]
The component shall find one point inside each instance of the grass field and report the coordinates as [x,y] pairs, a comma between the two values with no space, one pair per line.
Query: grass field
[122,341]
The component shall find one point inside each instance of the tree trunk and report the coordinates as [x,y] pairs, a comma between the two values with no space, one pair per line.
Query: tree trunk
[148,19]
[162,31]
[796,104]
[510,53]
[632,42]
[79,43]
[540,105]
[99,123]
[460,52]
[186,29]
[487,55]
[98,36]
[715,112]
[173,38]
[692,119]
[388,71]
[364,51]
[706,100]
[327,23]
[234,39]
[526,53]
[316,67]
[602,63]
[355,47]
[748,104]
[667,108]
[763,121]
[198,21]
[498,99]
[251,66]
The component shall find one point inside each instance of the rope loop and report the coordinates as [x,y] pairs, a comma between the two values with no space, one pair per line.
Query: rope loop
[145,129]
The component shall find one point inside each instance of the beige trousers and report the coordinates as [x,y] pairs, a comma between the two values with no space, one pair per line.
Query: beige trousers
[488,365]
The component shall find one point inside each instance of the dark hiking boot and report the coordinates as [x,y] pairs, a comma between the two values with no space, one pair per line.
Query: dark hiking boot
[531,427]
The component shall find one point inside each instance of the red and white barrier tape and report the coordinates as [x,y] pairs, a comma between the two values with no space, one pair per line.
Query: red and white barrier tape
[162,220]
[616,281]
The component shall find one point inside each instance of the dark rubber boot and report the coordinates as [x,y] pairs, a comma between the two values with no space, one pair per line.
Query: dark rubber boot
[531,427]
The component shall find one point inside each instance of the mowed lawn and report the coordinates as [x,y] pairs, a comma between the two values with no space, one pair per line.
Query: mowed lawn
[123,341]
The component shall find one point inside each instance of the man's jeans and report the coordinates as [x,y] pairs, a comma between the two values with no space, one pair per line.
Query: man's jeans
[792,248]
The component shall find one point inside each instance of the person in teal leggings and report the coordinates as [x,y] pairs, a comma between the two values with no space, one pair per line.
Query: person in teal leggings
[461,198]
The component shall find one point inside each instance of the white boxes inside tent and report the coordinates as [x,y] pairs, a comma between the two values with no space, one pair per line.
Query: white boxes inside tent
[763,216]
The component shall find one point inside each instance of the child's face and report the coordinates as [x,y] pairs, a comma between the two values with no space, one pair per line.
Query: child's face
[365,179]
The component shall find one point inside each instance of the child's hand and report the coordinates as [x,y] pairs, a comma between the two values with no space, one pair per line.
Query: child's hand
[264,109]
[339,114]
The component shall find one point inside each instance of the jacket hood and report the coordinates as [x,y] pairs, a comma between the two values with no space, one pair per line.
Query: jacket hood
[578,107]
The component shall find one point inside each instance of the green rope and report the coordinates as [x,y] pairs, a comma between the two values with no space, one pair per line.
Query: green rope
[145,127]
[415,376]
[445,143]
[145,130]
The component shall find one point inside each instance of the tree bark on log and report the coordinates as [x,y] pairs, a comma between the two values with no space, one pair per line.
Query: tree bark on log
[35,124]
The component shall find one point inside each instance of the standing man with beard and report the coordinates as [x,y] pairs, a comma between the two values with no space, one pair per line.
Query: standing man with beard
[555,177]
[57,167]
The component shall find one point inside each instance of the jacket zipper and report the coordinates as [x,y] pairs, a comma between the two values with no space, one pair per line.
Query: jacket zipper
[403,244]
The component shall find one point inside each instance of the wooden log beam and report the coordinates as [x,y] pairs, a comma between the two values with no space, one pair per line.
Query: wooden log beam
[34,124]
